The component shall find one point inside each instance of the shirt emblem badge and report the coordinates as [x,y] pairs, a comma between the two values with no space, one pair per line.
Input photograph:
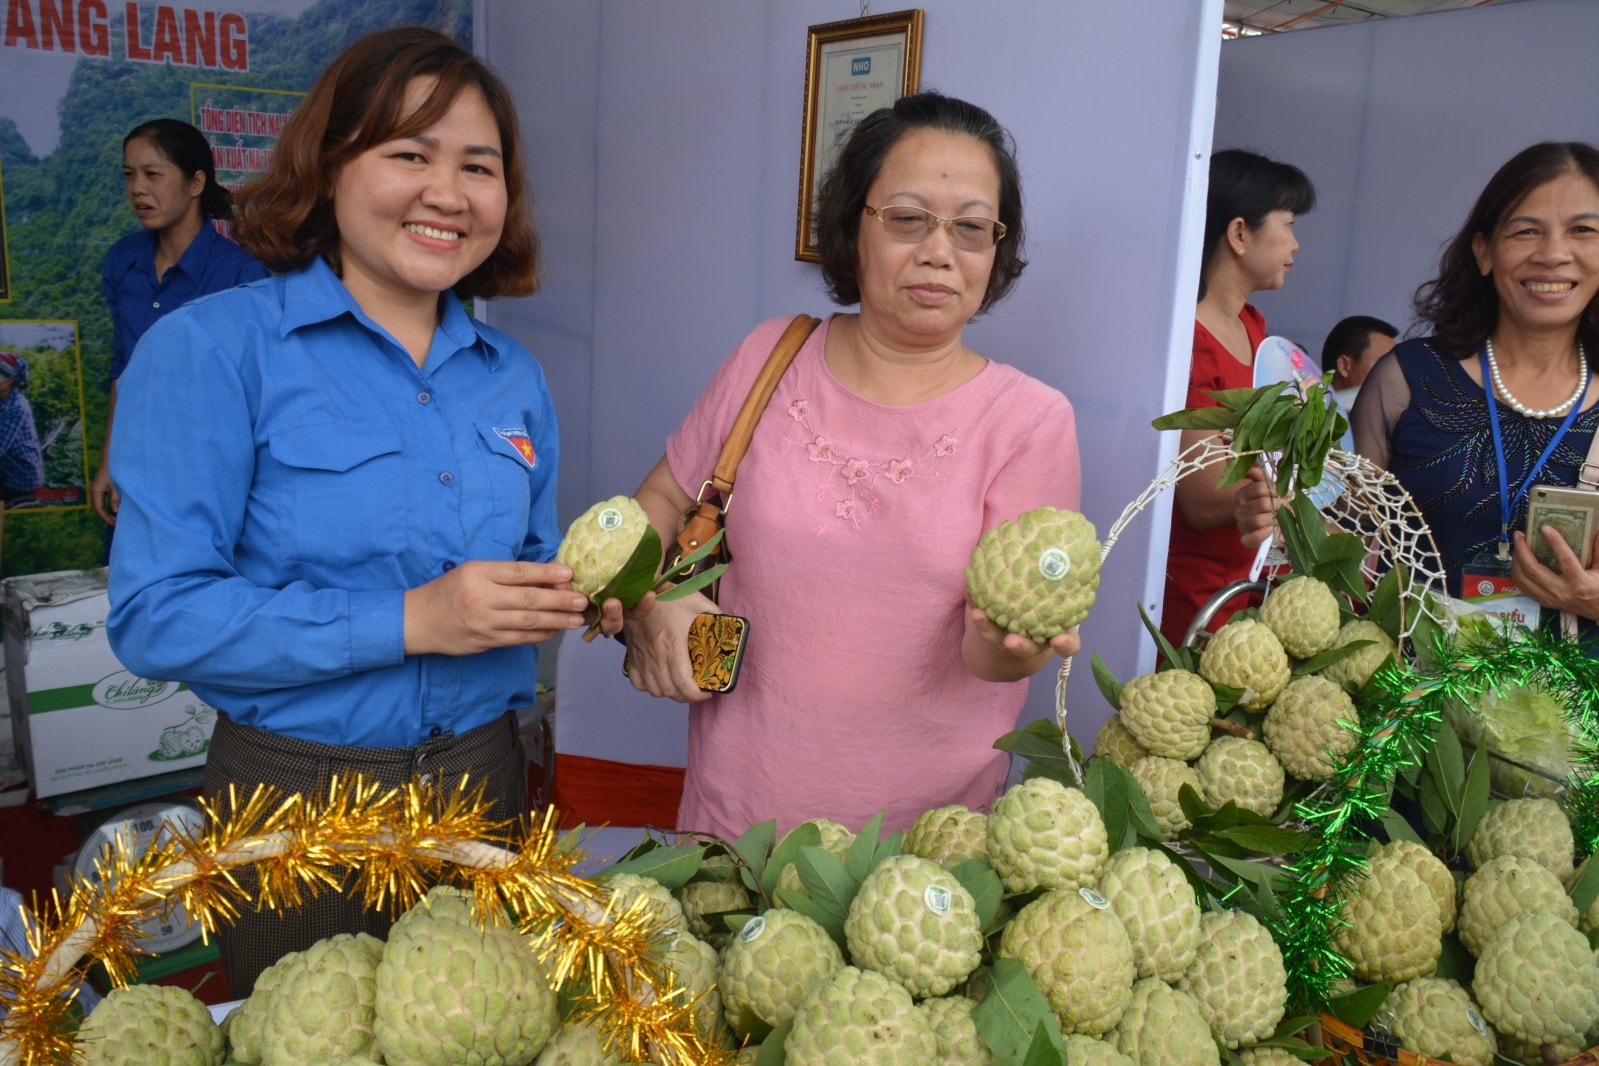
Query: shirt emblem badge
[518,439]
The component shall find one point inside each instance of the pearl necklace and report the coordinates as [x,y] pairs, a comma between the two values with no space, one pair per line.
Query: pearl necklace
[1517,405]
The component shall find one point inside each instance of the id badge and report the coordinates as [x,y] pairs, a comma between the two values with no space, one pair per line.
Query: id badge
[1486,582]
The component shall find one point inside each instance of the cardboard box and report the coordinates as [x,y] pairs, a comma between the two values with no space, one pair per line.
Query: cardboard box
[80,718]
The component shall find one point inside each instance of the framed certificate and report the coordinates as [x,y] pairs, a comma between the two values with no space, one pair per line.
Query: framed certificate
[852,68]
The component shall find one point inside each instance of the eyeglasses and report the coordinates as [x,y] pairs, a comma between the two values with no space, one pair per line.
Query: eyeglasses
[912,225]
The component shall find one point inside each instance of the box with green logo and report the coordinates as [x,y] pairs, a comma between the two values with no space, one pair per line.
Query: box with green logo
[81,719]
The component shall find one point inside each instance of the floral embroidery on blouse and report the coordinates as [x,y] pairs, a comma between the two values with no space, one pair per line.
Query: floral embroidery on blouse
[851,481]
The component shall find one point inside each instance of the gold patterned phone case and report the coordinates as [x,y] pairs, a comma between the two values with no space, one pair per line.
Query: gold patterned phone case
[716,649]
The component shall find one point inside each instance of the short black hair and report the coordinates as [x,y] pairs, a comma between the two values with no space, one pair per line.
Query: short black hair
[1351,337]
[842,197]
[1249,186]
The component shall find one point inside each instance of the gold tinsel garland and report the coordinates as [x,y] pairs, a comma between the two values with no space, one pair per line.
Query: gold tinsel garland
[396,842]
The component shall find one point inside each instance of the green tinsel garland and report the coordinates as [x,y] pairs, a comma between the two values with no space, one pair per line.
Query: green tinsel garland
[1396,732]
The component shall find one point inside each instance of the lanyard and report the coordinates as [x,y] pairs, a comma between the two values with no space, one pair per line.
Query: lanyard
[1507,503]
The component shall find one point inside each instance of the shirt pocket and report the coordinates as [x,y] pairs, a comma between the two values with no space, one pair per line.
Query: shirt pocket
[341,491]
[510,476]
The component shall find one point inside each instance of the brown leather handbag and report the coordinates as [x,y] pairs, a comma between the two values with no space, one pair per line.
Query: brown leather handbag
[704,520]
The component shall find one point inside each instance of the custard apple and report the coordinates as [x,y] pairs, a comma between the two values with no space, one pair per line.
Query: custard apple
[705,902]
[1434,1016]
[1042,834]
[1079,953]
[948,835]
[1164,1026]
[767,969]
[1311,727]
[1536,829]
[1505,887]
[1237,978]
[959,1043]
[833,838]
[1303,613]
[576,1045]
[323,1004]
[1245,655]
[1091,1051]
[627,890]
[1242,771]
[602,540]
[1522,1051]
[144,1024]
[1356,668]
[1036,575]
[1268,1056]
[1393,931]
[1536,979]
[1161,780]
[1156,904]
[1430,868]
[697,966]
[245,1025]
[913,922]
[1169,712]
[1115,743]
[450,991]
[862,1018]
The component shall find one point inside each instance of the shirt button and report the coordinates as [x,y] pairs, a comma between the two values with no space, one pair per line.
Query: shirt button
[423,397]
[156,303]
[435,731]
[448,566]
[447,478]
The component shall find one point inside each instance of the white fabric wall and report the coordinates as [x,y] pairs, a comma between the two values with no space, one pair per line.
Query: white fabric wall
[665,143]
[1399,124]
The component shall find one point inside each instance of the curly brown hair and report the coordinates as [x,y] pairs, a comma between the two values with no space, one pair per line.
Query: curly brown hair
[286,218]
[1461,304]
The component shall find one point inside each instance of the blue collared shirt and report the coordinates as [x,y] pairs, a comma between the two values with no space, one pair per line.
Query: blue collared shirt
[287,473]
[138,298]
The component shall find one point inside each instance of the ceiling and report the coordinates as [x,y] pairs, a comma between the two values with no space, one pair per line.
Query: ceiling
[1269,16]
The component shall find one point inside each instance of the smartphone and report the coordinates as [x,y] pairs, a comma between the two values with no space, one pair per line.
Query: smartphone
[716,650]
[1574,514]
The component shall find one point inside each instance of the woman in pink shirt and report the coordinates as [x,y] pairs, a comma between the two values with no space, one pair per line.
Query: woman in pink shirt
[869,682]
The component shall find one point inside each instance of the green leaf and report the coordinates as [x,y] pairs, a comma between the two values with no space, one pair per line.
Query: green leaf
[693,584]
[862,853]
[1384,607]
[1109,686]
[748,1023]
[1454,961]
[672,867]
[979,878]
[637,574]
[1398,828]
[829,887]
[1198,418]
[755,845]
[771,1053]
[1193,807]
[1268,839]
[1011,1011]
[1048,1048]
[1447,762]
[1184,659]
[1330,656]
[1473,800]
[804,835]
[1040,743]
[892,845]
[1434,811]
[1585,884]
[1227,697]
[1357,1008]
[823,915]
[692,559]
[1236,469]
[1110,788]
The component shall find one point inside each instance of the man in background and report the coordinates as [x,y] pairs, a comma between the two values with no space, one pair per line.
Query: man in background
[1352,349]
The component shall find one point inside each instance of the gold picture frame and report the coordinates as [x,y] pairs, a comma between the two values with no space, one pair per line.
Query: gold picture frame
[852,68]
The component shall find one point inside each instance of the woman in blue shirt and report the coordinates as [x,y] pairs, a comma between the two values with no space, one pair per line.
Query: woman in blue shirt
[338,488]
[172,187]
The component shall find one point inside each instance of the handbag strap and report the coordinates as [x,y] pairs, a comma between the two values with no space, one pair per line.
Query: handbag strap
[1588,472]
[716,492]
